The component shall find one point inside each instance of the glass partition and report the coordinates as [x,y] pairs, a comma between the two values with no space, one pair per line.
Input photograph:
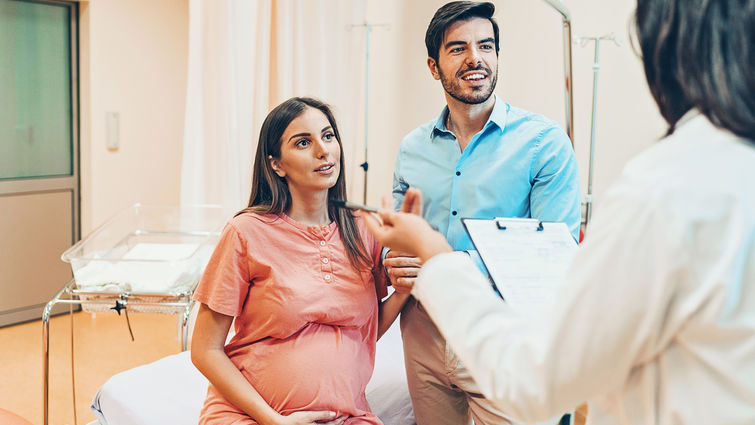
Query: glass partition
[36,117]
[39,177]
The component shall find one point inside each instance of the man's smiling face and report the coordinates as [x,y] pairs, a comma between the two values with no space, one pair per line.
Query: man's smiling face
[467,65]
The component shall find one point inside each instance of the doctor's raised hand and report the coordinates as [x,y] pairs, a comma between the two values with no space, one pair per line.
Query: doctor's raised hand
[407,231]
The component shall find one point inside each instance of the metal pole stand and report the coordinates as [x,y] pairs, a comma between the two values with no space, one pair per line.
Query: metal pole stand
[122,301]
[583,41]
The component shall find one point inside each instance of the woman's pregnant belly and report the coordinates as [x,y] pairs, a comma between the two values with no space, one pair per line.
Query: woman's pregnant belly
[322,367]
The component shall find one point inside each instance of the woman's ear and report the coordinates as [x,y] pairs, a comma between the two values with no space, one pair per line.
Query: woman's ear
[275,165]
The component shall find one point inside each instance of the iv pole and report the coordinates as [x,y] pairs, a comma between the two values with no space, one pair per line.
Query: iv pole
[566,23]
[595,70]
[365,165]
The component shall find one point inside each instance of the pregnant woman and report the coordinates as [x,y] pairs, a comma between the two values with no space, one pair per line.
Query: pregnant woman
[303,280]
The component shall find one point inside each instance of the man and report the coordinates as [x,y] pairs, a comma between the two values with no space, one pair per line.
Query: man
[480,158]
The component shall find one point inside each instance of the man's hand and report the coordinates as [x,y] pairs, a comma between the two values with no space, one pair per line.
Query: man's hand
[402,270]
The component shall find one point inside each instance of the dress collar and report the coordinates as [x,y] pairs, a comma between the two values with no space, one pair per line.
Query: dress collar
[317,231]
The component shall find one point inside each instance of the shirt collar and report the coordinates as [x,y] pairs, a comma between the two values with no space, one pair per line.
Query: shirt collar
[687,117]
[497,117]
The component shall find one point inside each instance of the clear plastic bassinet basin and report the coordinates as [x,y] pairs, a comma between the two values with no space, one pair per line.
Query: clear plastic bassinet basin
[149,252]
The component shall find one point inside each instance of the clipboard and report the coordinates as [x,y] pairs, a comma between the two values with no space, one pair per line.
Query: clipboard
[526,259]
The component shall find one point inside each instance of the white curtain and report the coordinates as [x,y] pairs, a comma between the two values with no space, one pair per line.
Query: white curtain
[246,57]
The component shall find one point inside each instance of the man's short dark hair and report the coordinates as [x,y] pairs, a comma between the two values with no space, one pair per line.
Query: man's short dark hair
[452,12]
[700,54]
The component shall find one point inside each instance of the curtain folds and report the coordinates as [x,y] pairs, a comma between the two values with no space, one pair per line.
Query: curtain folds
[246,57]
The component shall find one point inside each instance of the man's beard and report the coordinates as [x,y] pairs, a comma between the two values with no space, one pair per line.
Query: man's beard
[478,95]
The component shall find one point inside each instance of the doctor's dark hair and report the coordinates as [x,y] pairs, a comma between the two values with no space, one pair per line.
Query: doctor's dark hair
[453,12]
[701,54]
[270,194]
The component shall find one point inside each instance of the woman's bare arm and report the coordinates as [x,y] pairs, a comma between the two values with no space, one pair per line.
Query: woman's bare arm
[388,310]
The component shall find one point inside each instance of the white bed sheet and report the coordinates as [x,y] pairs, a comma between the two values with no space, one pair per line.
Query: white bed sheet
[172,391]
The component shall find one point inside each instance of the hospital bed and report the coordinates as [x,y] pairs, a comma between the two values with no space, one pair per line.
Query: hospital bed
[172,391]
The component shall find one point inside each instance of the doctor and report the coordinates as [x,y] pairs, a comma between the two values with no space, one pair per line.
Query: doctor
[656,321]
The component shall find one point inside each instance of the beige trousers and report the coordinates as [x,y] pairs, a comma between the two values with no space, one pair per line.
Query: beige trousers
[442,390]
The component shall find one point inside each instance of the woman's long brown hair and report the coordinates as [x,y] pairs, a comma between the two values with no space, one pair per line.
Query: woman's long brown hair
[270,194]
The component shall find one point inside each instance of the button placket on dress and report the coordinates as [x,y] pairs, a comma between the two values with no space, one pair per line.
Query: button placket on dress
[325,263]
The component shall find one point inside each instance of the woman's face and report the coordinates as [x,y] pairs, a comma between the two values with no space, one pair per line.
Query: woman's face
[310,158]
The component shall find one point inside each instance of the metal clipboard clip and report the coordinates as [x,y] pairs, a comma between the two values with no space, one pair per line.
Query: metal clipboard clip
[499,224]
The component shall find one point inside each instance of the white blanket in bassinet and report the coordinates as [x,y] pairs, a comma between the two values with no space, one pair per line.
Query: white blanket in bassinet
[147,268]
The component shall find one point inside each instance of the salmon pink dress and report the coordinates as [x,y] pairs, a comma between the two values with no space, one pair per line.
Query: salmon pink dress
[305,320]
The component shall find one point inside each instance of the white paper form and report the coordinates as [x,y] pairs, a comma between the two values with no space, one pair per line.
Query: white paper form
[527,265]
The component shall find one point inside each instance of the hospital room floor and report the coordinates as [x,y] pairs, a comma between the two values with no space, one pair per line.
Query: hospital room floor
[102,348]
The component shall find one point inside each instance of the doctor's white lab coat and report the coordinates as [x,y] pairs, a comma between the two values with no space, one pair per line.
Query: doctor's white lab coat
[655,323]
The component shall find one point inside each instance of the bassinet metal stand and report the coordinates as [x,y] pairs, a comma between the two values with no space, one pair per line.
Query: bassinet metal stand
[180,303]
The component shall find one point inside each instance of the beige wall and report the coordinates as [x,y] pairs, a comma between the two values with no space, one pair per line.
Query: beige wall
[134,56]
[530,76]
[627,120]
[133,61]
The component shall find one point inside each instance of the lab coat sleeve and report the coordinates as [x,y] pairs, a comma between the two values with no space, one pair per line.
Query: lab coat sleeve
[616,308]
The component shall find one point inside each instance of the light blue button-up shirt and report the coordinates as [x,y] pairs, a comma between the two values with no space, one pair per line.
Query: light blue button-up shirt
[519,165]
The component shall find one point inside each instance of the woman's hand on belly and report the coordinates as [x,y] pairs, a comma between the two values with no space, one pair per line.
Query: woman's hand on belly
[310,417]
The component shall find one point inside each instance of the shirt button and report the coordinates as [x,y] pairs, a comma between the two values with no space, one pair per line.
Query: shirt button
[453,213]
[325,260]
[322,243]
[458,173]
[327,277]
